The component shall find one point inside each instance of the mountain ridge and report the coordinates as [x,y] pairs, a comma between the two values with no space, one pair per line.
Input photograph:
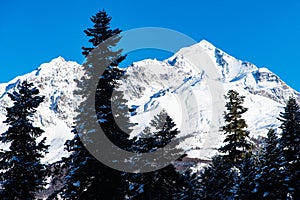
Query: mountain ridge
[265,95]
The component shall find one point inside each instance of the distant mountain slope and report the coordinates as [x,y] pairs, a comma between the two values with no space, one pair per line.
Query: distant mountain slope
[173,84]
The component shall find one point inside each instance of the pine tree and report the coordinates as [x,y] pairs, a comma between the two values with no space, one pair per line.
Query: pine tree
[230,172]
[246,179]
[219,180]
[269,182]
[236,142]
[290,146]
[191,185]
[165,183]
[107,95]
[78,178]
[23,173]
[111,108]
[100,31]
[88,178]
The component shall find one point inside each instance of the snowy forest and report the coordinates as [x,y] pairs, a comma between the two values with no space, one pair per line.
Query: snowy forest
[242,169]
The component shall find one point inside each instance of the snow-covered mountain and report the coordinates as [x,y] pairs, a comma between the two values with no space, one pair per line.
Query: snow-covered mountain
[55,81]
[185,85]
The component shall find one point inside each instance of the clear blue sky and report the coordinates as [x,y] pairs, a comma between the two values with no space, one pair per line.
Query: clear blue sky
[264,32]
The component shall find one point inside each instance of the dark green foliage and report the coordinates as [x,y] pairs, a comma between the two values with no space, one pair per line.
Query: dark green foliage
[191,185]
[247,175]
[219,180]
[23,174]
[108,98]
[290,146]
[88,178]
[165,183]
[237,137]
[78,178]
[231,174]
[100,31]
[111,108]
[269,180]
[162,184]
[163,133]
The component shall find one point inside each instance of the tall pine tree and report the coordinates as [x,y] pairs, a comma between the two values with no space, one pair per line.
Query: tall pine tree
[229,173]
[237,137]
[23,173]
[88,178]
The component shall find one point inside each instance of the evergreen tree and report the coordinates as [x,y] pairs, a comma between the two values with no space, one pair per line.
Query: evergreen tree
[236,142]
[78,178]
[165,183]
[246,179]
[88,178]
[107,95]
[112,111]
[269,181]
[219,180]
[111,108]
[191,185]
[22,172]
[160,133]
[290,146]
[229,174]
[100,31]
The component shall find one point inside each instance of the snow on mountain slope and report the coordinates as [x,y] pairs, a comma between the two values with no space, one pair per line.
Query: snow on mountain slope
[181,88]
[175,84]
[55,80]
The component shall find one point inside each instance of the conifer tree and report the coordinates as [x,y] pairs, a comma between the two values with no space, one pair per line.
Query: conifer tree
[246,179]
[269,182]
[227,175]
[191,185]
[107,97]
[88,178]
[23,173]
[165,183]
[290,146]
[78,178]
[219,180]
[236,141]
[100,31]
[111,109]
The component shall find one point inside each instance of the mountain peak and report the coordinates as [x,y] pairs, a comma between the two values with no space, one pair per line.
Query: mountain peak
[206,45]
[59,61]
[202,45]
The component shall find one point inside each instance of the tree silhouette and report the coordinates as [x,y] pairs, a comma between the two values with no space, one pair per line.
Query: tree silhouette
[23,173]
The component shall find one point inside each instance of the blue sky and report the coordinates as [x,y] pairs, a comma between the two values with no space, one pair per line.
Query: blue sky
[266,33]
